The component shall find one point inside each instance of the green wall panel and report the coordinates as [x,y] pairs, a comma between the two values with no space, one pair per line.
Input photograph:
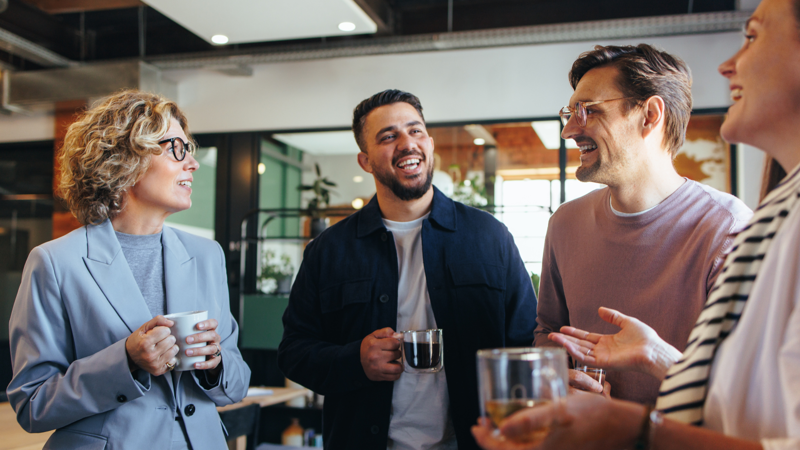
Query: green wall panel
[263,326]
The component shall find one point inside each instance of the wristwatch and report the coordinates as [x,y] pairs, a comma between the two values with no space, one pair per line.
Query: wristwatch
[650,422]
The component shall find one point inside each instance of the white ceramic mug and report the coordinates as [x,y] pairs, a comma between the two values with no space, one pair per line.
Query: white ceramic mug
[186,325]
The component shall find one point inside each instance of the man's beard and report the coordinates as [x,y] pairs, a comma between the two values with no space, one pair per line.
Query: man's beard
[588,173]
[400,191]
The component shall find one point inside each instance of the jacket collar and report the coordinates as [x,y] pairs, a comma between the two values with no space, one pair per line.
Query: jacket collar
[443,213]
[111,272]
[103,246]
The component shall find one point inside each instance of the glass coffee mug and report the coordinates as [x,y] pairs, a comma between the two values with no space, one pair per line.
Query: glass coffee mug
[423,351]
[512,379]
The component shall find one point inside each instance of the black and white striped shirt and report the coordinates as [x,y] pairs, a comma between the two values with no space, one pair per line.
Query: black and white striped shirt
[683,392]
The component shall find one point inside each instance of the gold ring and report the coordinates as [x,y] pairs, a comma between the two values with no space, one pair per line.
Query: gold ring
[218,352]
[170,366]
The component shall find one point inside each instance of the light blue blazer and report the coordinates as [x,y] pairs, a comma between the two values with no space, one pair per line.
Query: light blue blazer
[77,304]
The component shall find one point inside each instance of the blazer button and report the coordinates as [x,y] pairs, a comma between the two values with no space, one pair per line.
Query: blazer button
[384,237]
[122,399]
[189,410]
[374,429]
[384,298]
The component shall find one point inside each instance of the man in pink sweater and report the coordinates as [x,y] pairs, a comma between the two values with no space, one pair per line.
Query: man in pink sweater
[651,243]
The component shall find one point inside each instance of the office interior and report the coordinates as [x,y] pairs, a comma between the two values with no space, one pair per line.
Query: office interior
[270,108]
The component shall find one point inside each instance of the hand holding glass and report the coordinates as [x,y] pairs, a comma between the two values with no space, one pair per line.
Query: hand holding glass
[512,379]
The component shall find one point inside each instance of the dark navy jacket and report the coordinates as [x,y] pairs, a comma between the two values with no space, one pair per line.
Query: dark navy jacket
[346,288]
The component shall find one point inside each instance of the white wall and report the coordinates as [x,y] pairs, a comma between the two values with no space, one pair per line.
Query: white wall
[750,166]
[21,128]
[463,85]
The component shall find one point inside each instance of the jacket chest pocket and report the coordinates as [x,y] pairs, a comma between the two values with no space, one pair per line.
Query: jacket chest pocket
[346,309]
[478,275]
[478,304]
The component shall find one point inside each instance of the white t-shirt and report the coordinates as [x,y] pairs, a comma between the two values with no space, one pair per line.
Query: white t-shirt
[420,417]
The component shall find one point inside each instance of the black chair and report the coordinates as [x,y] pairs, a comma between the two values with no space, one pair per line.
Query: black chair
[243,422]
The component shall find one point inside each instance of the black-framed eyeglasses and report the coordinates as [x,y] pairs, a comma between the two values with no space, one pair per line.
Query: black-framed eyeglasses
[579,110]
[179,148]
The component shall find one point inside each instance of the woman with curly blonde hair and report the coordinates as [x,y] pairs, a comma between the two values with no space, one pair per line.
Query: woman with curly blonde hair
[91,349]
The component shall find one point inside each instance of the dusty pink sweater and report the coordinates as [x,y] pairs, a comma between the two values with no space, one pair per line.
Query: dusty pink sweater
[657,267]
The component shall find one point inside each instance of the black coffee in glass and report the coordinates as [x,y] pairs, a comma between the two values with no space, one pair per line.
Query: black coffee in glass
[422,355]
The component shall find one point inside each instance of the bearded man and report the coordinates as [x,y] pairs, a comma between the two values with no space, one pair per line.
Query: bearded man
[411,259]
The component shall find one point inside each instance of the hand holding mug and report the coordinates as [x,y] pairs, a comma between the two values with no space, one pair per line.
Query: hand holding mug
[201,350]
[212,350]
[151,347]
[379,354]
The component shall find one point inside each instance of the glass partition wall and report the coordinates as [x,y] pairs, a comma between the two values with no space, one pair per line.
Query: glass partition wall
[520,171]
[199,219]
[26,220]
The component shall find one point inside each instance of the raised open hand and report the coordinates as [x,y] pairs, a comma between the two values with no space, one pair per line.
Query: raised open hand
[636,347]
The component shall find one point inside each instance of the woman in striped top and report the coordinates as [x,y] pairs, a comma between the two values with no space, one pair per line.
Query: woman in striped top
[737,385]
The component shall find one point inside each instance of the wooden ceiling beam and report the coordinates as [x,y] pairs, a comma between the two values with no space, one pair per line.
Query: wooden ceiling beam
[70,6]
[380,12]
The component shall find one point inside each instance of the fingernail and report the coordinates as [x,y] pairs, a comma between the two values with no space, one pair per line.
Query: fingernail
[189,352]
[201,326]
[189,339]
[198,365]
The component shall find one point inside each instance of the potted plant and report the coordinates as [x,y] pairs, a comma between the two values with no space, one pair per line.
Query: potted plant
[317,205]
[471,192]
[535,281]
[276,273]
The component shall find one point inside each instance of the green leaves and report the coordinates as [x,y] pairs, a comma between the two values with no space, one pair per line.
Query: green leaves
[321,192]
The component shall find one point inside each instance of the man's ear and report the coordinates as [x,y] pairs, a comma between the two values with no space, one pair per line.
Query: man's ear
[654,109]
[363,161]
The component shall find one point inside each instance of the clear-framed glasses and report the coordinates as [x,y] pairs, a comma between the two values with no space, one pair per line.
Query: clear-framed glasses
[579,110]
[179,148]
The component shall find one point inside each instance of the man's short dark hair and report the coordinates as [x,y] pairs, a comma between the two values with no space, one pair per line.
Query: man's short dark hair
[384,98]
[644,72]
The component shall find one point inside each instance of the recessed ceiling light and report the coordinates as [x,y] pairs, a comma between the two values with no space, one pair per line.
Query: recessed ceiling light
[479,141]
[347,26]
[219,39]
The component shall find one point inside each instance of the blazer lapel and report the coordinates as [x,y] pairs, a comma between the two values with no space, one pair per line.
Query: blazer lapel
[180,274]
[110,270]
